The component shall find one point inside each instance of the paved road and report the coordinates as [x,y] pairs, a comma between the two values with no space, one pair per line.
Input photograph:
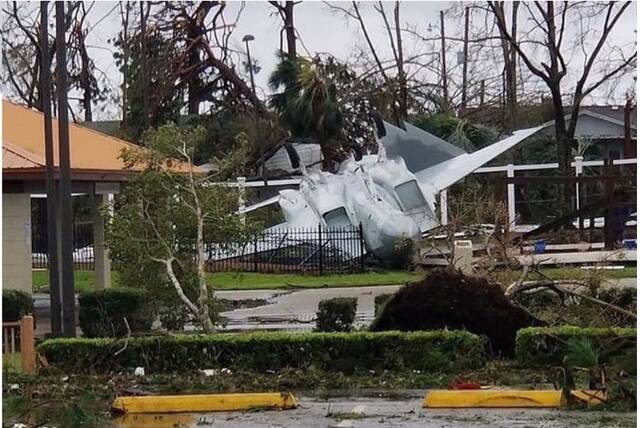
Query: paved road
[286,309]
[368,412]
[296,310]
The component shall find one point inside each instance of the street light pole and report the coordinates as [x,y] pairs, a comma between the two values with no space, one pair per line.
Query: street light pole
[246,39]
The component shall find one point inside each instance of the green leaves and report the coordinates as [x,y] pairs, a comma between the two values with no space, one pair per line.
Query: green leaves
[438,351]
[102,312]
[15,305]
[580,352]
[337,314]
[160,213]
[549,345]
[457,131]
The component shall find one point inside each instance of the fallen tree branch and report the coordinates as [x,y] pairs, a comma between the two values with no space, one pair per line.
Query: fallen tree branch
[559,287]
[126,340]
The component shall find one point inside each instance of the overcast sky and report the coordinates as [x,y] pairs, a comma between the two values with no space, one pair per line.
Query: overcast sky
[321,30]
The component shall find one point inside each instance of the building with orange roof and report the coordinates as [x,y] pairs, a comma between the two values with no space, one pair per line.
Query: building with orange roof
[96,170]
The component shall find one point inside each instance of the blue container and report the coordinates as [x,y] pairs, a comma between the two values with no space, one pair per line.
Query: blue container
[539,246]
[630,244]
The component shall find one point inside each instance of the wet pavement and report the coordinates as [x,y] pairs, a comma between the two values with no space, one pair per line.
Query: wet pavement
[289,310]
[377,412]
[296,310]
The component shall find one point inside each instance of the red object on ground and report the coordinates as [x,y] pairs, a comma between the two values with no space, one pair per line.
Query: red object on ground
[464,385]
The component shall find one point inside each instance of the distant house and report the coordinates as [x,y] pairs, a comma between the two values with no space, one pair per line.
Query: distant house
[604,126]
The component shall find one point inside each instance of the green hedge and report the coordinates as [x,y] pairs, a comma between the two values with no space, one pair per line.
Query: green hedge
[441,351]
[379,301]
[546,345]
[337,314]
[15,305]
[102,312]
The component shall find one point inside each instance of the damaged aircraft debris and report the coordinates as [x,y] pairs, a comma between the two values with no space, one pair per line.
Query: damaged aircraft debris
[392,194]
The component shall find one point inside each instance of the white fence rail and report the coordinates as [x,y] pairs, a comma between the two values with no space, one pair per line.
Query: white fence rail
[578,165]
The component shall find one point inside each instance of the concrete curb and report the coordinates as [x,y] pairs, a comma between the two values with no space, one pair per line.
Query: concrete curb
[507,398]
[204,403]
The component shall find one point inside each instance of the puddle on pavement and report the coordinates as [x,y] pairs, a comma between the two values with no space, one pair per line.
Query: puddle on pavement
[152,420]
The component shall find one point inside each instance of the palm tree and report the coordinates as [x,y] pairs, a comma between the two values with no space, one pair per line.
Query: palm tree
[307,103]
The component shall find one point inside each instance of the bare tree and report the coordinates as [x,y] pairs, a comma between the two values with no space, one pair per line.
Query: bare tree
[286,13]
[550,26]
[510,66]
[629,107]
[21,57]
[397,86]
[124,40]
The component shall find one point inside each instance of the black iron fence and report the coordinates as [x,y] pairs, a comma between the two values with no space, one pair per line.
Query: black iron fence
[314,251]
[82,246]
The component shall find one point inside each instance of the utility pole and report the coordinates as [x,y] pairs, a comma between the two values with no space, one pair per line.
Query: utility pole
[145,68]
[465,57]
[445,90]
[52,223]
[125,60]
[66,265]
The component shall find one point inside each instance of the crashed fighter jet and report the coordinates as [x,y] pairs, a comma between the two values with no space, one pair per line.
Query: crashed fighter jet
[391,193]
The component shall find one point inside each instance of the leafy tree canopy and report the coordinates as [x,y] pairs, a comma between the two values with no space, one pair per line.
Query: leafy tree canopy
[167,217]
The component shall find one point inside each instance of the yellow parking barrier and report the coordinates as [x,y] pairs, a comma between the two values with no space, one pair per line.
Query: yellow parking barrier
[507,398]
[204,403]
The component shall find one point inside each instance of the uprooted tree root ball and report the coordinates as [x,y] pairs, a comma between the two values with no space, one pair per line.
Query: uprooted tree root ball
[450,299]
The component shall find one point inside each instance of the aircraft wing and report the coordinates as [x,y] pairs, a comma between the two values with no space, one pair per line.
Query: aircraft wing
[444,174]
[417,147]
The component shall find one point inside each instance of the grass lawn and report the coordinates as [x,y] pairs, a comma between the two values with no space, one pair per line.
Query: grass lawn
[557,273]
[251,281]
[256,281]
[12,363]
[83,280]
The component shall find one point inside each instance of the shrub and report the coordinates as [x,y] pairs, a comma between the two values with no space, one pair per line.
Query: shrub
[173,317]
[548,306]
[173,314]
[379,301]
[102,312]
[439,351]
[548,345]
[15,305]
[446,299]
[337,314]
[624,297]
[402,253]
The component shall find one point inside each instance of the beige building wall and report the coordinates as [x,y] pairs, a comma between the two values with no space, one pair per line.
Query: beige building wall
[16,242]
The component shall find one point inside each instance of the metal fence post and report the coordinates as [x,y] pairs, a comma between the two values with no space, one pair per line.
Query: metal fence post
[321,262]
[255,253]
[361,239]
